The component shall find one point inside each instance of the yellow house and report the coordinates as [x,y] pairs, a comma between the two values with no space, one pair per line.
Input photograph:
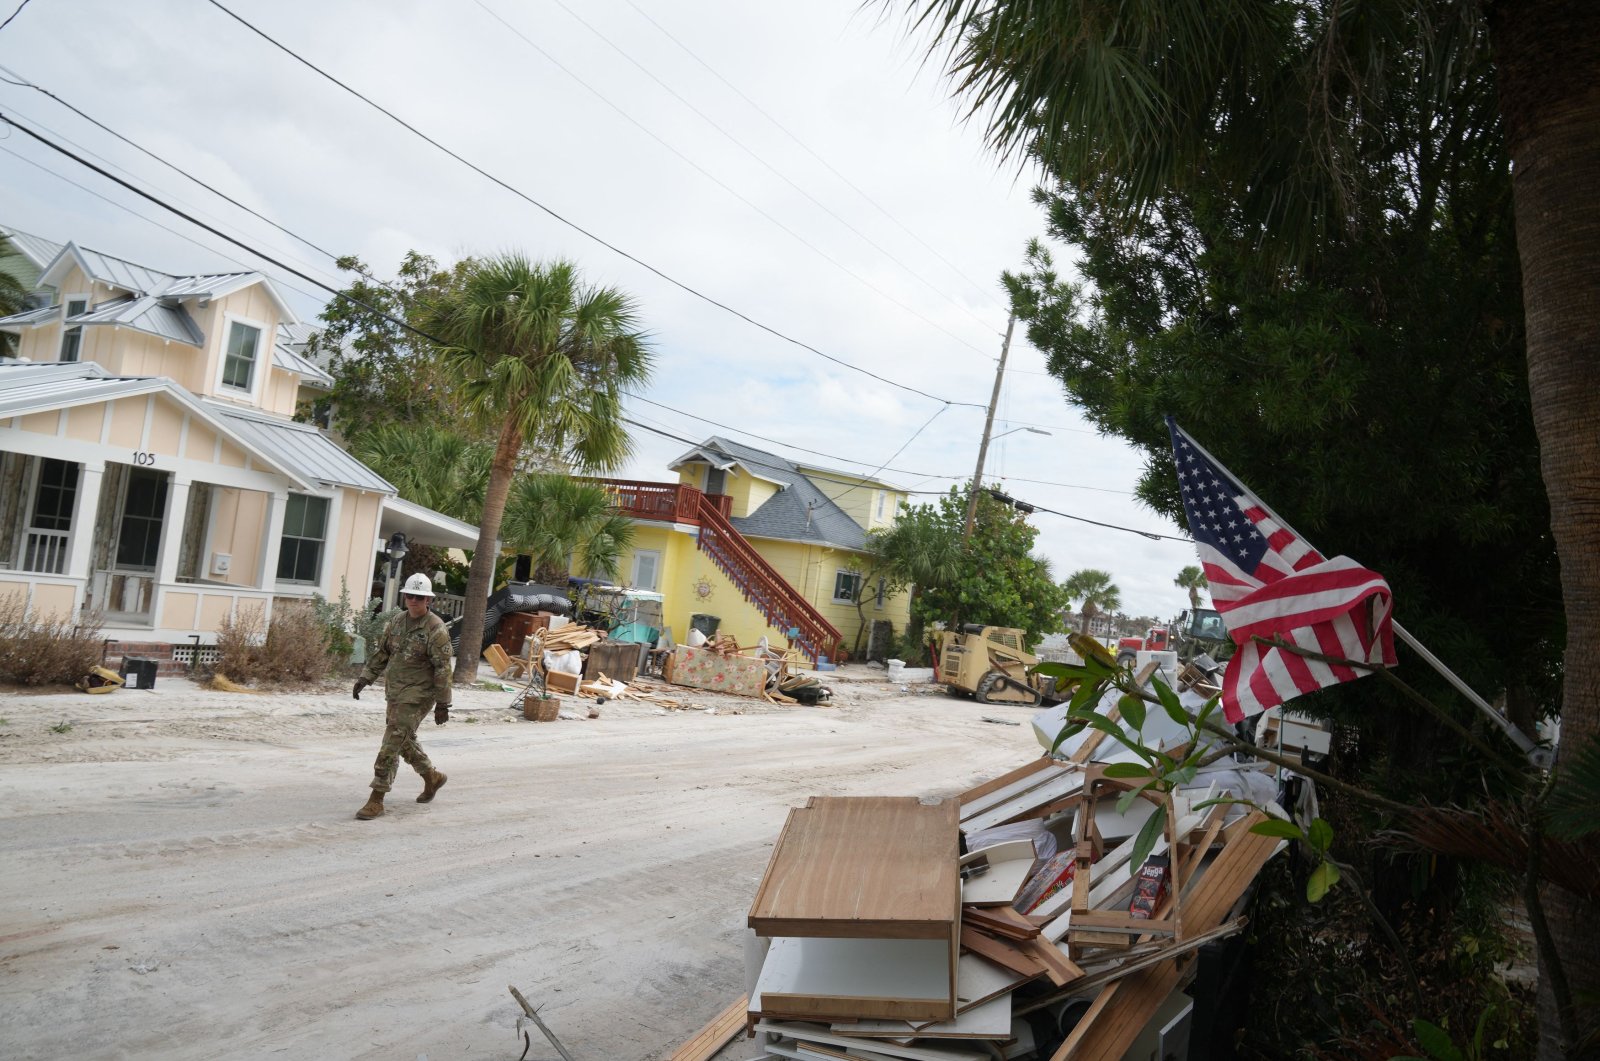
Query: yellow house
[768,547]
[150,472]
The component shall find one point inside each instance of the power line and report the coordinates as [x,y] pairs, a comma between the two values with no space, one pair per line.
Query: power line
[724,185]
[565,221]
[780,442]
[218,232]
[774,170]
[936,414]
[25,83]
[808,149]
[148,220]
[14,14]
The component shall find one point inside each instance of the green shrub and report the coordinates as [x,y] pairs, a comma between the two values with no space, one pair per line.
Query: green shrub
[45,649]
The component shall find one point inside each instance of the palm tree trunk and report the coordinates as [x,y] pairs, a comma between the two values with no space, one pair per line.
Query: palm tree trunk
[480,576]
[1547,55]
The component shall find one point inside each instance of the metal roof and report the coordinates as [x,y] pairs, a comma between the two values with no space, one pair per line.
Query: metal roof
[284,357]
[29,318]
[40,387]
[109,269]
[213,286]
[38,250]
[303,448]
[146,313]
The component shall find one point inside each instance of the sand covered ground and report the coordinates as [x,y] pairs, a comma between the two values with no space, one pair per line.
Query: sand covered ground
[183,876]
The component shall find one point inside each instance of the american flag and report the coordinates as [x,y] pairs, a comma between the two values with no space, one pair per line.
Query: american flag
[1266,580]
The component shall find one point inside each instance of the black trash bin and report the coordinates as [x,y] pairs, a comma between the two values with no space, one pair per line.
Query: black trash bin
[706,624]
[138,672]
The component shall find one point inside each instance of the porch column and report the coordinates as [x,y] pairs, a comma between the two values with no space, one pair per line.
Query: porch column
[267,577]
[172,524]
[81,544]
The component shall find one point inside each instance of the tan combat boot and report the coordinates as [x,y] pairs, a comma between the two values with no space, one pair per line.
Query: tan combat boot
[371,809]
[431,784]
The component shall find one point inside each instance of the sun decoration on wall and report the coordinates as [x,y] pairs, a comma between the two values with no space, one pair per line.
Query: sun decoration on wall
[702,588]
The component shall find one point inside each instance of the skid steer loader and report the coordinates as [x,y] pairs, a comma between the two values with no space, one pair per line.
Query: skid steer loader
[990,664]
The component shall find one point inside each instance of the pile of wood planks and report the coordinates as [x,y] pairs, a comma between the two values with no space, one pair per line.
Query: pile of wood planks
[572,636]
[877,940]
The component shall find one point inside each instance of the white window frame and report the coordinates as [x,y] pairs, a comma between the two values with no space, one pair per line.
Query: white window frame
[328,526]
[883,498]
[855,575]
[66,311]
[633,576]
[260,367]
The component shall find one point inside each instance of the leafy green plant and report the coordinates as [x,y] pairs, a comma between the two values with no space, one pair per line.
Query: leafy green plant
[1440,1047]
[61,727]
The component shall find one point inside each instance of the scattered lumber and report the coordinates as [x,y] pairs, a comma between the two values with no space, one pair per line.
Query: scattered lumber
[1083,935]
[704,1044]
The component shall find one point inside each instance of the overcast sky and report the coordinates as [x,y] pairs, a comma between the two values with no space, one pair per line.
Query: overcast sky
[796,163]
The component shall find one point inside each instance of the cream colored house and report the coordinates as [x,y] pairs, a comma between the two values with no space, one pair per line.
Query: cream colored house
[150,471]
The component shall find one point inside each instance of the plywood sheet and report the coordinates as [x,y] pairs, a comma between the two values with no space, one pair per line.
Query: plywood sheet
[877,866]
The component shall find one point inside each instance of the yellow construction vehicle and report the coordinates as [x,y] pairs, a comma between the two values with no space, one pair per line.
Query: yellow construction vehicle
[990,664]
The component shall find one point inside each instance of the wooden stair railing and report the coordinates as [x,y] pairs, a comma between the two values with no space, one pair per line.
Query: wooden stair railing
[778,602]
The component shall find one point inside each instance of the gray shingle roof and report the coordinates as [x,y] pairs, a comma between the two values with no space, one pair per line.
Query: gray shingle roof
[799,512]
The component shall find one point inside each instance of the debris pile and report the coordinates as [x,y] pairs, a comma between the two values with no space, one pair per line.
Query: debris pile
[1011,921]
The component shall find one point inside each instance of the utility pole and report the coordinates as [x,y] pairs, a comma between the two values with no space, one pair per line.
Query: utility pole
[988,425]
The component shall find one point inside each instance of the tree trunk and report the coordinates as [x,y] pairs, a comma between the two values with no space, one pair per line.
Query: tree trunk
[480,576]
[1547,56]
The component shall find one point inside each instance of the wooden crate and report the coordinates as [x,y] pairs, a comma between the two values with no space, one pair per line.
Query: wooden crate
[561,682]
[618,660]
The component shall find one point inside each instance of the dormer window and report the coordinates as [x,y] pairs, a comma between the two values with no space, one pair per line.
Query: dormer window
[239,361]
[72,335]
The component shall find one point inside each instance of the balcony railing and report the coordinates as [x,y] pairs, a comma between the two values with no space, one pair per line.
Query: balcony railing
[666,502]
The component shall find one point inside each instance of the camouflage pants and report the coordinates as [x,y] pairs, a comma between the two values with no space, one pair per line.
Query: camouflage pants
[400,742]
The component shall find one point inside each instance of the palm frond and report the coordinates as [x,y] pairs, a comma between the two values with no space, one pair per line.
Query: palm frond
[1495,835]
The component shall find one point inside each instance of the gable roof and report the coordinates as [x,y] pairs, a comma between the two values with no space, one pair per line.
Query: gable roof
[800,511]
[300,452]
[139,279]
[38,250]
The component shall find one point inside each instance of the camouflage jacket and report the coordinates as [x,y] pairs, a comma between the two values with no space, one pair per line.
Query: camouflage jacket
[413,655]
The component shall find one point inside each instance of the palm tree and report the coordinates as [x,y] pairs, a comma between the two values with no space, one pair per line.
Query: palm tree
[13,295]
[542,358]
[1277,102]
[429,465]
[1192,579]
[552,517]
[1097,592]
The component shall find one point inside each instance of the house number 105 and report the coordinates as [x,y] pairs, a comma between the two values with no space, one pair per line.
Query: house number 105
[144,458]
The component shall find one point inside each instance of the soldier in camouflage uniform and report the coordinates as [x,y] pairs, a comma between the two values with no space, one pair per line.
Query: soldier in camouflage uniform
[415,649]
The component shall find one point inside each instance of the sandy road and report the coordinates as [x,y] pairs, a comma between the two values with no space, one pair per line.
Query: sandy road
[182,876]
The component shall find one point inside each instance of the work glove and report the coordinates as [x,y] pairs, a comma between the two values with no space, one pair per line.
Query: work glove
[361,683]
[441,714]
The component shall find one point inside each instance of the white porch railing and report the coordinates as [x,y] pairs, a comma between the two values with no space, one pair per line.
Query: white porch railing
[45,552]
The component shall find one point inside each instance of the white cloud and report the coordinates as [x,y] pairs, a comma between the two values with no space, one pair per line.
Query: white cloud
[200,89]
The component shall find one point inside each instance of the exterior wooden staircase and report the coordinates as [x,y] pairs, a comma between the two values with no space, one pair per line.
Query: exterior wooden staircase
[779,603]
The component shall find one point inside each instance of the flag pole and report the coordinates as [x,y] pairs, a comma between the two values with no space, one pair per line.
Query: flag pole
[1538,755]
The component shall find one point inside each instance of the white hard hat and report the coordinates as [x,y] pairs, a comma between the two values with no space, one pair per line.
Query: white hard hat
[418,585]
